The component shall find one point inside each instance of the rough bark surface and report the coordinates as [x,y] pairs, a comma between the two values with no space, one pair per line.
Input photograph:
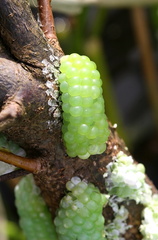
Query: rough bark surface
[25,117]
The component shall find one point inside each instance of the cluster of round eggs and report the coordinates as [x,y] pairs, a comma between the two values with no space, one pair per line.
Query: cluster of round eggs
[35,218]
[80,212]
[85,127]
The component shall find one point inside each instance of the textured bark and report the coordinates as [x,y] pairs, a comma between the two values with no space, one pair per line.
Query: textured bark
[22,35]
[25,116]
[47,22]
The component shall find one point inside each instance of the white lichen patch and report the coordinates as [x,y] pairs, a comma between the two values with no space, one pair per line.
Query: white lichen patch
[51,71]
[127,180]
[149,226]
[116,229]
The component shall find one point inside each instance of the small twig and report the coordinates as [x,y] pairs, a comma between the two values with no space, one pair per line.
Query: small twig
[47,22]
[14,174]
[31,165]
[46,18]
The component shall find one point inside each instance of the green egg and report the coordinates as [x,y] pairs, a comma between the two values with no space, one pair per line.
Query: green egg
[102,148]
[74,56]
[90,65]
[98,108]
[66,116]
[64,87]
[96,82]
[71,72]
[84,72]
[62,77]
[87,112]
[86,91]
[87,81]
[88,120]
[95,92]
[76,111]
[76,121]
[87,102]
[66,107]
[75,90]
[83,129]
[93,149]
[74,81]
[92,132]
[82,150]
[80,139]
[65,66]
[78,64]
[65,97]
[95,74]
[71,128]
[76,101]
[84,156]
[69,137]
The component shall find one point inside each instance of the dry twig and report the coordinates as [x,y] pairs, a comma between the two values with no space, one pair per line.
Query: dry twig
[30,165]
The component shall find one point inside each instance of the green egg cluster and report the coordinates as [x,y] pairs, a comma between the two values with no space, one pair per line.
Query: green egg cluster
[35,218]
[80,212]
[85,127]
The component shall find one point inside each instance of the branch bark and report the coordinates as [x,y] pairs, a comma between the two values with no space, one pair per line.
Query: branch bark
[47,22]
[22,35]
[25,163]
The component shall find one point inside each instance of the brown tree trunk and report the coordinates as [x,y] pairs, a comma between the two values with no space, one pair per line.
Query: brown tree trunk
[25,115]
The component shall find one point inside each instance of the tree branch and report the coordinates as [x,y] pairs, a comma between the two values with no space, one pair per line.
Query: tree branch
[22,34]
[31,165]
[46,18]
[47,22]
